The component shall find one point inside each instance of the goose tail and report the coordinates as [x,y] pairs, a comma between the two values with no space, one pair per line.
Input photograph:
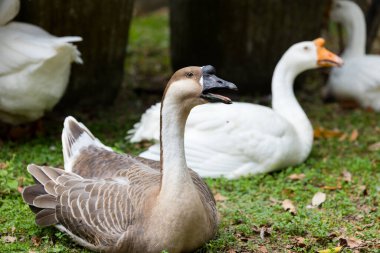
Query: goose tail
[41,197]
[75,137]
[148,128]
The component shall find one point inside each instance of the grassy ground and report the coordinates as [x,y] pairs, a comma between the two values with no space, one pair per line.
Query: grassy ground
[344,165]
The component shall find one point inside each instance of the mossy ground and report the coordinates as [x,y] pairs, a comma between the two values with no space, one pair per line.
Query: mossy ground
[248,206]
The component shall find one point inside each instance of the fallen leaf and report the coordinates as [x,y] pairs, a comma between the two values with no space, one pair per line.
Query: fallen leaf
[36,241]
[343,137]
[287,204]
[333,250]
[363,190]
[219,197]
[318,199]
[300,241]
[296,176]
[354,135]
[350,242]
[321,132]
[274,201]
[331,188]
[9,239]
[347,176]
[263,249]
[374,147]
[3,166]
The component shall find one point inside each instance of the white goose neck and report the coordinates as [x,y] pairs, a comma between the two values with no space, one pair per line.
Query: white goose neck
[354,23]
[285,103]
[173,162]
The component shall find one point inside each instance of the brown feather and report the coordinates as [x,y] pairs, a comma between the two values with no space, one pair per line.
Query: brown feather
[46,217]
[45,201]
[31,192]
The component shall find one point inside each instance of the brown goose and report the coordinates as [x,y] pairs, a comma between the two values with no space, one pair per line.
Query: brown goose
[114,202]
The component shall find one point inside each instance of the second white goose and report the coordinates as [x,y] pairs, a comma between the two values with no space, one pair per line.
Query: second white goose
[113,202]
[247,138]
[359,78]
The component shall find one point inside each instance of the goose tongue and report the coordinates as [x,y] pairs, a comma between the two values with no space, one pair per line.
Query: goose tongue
[212,85]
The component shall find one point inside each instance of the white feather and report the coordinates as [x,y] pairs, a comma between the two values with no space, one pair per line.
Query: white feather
[72,147]
[34,71]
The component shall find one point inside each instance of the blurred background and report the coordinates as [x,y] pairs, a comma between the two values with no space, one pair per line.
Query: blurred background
[243,39]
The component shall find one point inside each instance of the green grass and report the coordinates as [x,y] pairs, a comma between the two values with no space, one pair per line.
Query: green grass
[252,203]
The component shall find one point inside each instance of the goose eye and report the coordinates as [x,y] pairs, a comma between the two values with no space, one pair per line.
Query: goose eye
[337,5]
[189,74]
[306,48]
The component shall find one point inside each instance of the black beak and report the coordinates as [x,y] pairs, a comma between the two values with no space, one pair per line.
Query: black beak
[212,84]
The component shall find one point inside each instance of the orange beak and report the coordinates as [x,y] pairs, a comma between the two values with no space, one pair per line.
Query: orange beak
[325,57]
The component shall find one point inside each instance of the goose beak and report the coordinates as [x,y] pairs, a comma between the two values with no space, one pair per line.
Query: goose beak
[213,84]
[325,57]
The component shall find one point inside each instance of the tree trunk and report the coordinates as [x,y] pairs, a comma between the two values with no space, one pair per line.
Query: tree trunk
[373,23]
[103,25]
[243,39]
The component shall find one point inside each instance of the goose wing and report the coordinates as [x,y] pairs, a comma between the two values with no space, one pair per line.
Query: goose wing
[96,213]
[24,45]
[236,135]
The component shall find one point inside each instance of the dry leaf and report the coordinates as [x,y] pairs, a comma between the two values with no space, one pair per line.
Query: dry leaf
[331,188]
[343,137]
[3,165]
[219,197]
[36,241]
[296,176]
[318,199]
[333,250]
[321,132]
[374,147]
[9,239]
[350,242]
[263,249]
[354,135]
[300,241]
[287,204]
[363,190]
[347,176]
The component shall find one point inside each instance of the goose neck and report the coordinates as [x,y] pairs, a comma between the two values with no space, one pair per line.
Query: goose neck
[285,103]
[355,27]
[173,163]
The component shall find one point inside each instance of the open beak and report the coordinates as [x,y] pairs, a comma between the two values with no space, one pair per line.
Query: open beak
[325,57]
[213,84]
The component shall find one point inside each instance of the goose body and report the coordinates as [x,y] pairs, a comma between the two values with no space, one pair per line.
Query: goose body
[118,203]
[34,67]
[359,78]
[247,138]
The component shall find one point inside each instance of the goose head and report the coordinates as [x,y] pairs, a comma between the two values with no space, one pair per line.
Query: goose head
[8,10]
[343,11]
[309,55]
[193,86]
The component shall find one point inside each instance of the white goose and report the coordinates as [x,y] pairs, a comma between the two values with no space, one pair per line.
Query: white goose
[244,138]
[112,202]
[34,67]
[359,78]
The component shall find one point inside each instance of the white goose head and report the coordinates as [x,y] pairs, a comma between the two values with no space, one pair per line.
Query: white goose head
[8,10]
[343,11]
[193,86]
[309,55]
